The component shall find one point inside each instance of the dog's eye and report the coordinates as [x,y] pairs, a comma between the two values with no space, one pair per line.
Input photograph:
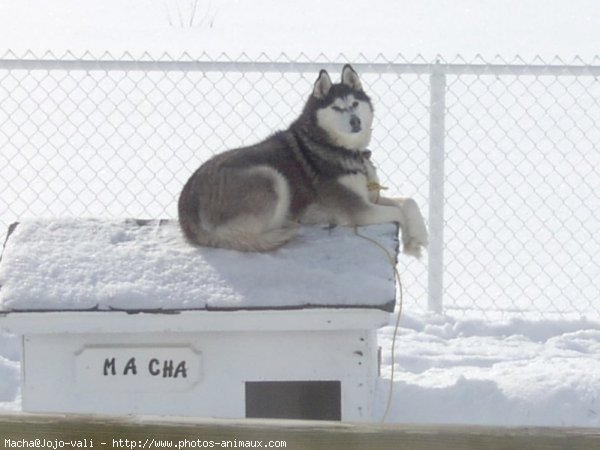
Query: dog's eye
[336,108]
[355,104]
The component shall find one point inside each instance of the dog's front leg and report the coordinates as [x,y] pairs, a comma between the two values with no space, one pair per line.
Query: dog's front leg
[414,231]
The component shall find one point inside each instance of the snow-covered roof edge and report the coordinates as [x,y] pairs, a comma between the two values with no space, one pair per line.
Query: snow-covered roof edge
[338,279]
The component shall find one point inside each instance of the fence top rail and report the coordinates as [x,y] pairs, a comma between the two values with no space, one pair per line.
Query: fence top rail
[479,69]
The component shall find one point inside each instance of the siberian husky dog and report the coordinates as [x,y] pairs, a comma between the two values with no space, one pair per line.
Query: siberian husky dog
[317,171]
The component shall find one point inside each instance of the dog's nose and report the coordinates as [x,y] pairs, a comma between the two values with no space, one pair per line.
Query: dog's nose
[355,123]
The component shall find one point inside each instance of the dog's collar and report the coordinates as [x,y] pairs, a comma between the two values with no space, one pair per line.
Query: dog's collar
[360,155]
[357,154]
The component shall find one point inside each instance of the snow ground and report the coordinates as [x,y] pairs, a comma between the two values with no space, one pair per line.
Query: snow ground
[515,372]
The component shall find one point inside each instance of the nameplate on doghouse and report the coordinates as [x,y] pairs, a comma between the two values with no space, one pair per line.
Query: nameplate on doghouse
[138,368]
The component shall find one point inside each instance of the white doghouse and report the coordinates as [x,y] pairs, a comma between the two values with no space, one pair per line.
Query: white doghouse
[124,317]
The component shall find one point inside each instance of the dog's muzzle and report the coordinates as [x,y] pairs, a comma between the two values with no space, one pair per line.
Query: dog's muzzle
[355,123]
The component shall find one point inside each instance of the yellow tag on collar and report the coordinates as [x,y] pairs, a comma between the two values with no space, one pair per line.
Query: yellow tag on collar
[375,186]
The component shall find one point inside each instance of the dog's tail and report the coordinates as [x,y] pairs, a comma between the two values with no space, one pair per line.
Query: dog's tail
[234,238]
[248,241]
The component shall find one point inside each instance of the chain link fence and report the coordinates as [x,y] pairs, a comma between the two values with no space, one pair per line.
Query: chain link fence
[522,192]
[519,212]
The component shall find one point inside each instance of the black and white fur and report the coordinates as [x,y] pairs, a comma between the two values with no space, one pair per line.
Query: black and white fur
[317,171]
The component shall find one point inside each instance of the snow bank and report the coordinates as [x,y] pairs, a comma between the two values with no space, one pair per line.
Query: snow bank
[511,373]
[82,264]
[426,27]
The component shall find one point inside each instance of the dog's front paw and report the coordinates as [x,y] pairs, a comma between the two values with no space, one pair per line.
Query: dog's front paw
[414,235]
[413,246]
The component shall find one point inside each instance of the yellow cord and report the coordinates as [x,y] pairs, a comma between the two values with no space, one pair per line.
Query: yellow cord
[392,262]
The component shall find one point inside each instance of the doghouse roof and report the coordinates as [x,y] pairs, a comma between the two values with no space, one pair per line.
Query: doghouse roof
[132,265]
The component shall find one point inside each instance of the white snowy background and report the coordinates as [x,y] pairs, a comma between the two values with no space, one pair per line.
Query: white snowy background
[478,371]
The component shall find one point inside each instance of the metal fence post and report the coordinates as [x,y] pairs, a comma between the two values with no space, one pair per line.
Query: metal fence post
[435,289]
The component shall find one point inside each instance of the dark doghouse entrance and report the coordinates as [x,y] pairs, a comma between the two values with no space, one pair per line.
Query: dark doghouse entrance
[314,400]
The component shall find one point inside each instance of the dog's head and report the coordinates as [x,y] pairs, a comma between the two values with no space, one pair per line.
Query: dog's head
[342,111]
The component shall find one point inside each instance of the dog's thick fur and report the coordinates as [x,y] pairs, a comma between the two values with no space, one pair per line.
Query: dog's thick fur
[317,171]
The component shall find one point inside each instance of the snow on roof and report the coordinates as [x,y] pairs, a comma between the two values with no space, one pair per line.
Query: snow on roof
[82,264]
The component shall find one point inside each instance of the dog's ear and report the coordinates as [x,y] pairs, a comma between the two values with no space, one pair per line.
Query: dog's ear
[350,78]
[322,85]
